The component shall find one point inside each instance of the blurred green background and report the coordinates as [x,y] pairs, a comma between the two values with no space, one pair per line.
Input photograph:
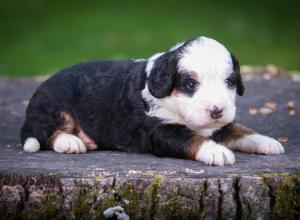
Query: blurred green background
[43,36]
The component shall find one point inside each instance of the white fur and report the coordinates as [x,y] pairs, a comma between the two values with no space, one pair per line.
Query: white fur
[162,108]
[212,63]
[206,132]
[68,143]
[31,145]
[151,62]
[212,153]
[206,56]
[257,143]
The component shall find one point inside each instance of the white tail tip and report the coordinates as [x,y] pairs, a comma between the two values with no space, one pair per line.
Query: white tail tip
[31,145]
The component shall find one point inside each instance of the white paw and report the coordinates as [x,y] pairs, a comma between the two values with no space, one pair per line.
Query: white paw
[257,143]
[212,153]
[68,143]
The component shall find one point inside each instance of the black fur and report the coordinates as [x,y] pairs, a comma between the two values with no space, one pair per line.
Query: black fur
[236,68]
[105,99]
[221,134]
[160,82]
[181,84]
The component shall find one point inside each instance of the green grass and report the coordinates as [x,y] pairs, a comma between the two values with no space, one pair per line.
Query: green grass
[41,37]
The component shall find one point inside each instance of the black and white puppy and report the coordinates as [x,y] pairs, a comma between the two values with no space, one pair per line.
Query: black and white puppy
[180,103]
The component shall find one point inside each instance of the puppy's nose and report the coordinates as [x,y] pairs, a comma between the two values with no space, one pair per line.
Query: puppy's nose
[216,112]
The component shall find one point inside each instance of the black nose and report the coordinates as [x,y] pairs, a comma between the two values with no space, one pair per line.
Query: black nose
[216,112]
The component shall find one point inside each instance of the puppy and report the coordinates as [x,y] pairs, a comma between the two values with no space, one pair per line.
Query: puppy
[180,103]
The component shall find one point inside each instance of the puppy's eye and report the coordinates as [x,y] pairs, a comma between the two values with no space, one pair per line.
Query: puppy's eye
[230,83]
[191,84]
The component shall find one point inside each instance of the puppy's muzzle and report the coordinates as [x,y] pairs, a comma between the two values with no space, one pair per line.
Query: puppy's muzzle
[216,112]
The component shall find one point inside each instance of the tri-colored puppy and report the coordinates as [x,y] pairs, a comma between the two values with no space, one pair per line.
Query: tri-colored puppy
[180,103]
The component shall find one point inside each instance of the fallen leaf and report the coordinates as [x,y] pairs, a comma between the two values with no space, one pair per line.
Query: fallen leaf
[296,77]
[273,70]
[271,105]
[265,111]
[247,69]
[253,111]
[290,104]
[267,76]
[292,112]
[283,139]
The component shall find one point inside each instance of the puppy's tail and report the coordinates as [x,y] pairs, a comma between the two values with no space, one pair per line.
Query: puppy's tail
[31,145]
[29,142]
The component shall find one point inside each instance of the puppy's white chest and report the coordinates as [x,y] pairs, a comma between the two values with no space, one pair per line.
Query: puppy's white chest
[206,132]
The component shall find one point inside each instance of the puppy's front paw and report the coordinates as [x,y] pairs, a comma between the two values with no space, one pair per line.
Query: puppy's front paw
[68,143]
[257,143]
[212,153]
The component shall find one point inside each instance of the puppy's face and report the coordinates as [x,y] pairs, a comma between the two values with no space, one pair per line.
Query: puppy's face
[197,81]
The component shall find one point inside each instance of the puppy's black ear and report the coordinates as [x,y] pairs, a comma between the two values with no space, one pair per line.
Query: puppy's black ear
[160,80]
[236,68]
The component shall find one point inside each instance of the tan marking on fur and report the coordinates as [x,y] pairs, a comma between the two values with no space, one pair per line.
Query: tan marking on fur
[174,92]
[193,75]
[194,146]
[236,132]
[70,126]
[89,143]
[54,136]
[69,123]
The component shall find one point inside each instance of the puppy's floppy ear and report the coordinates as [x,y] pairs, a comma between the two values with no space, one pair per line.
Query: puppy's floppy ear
[160,80]
[236,68]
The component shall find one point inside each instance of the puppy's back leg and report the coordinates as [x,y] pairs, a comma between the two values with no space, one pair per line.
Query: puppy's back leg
[58,131]
[64,139]
[70,138]
[68,143]
[89,143]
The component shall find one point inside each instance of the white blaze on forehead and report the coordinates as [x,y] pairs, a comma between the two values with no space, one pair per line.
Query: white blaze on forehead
[206,56]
